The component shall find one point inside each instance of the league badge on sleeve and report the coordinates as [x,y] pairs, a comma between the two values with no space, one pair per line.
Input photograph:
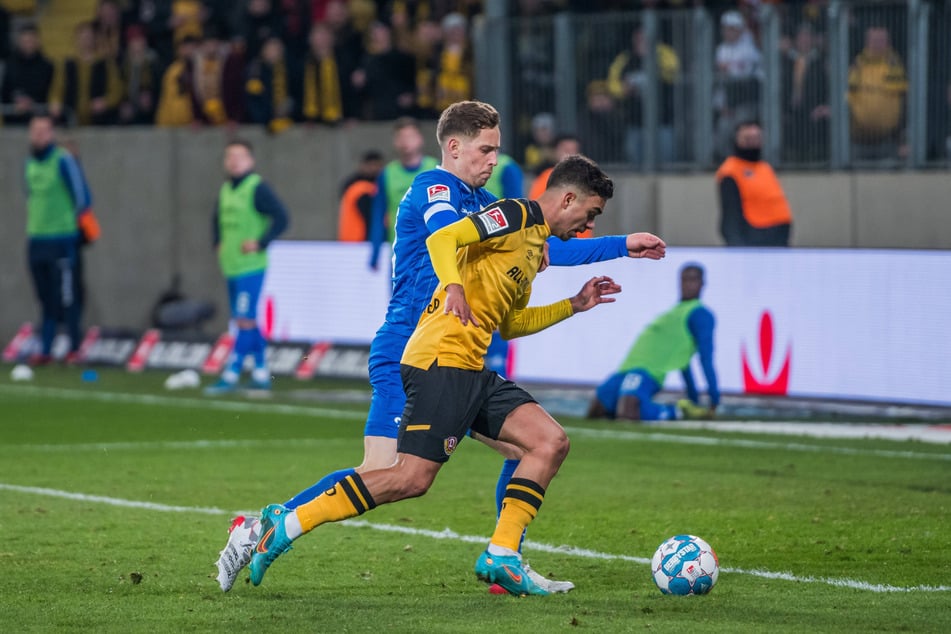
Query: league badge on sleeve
[493,220]
[437,192]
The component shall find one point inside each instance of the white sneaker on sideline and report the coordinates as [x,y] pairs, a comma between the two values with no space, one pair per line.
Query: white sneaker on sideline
[551,585]
[242,536]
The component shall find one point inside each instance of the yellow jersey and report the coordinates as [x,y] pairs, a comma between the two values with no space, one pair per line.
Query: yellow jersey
[494,254]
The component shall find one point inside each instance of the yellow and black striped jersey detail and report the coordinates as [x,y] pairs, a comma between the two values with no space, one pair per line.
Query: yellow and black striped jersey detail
[494,254]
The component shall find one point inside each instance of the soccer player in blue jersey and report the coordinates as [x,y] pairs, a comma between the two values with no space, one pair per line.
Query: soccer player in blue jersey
[468,133]
[248,216]
[57,205]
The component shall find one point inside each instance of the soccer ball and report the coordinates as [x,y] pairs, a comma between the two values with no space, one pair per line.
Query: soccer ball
[685,564]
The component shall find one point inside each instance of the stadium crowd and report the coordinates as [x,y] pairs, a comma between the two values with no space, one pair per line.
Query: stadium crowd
[283,62]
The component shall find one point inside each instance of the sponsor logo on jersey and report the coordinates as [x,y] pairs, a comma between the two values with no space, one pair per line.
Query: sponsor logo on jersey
[493,220]
[437,192]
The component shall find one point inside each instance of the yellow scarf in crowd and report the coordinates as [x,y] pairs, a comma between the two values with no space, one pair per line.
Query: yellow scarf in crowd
[322,91]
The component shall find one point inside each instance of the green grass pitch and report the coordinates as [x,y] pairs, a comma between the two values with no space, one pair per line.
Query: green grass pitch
[115,498]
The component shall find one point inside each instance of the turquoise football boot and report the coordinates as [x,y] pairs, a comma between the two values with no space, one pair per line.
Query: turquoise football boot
[508,572]
[273,543]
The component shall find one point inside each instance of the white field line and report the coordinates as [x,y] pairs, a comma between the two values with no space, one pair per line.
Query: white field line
[803,429]
[186,402]
[449,534]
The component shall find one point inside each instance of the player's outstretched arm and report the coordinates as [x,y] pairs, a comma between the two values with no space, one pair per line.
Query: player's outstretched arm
[587,251]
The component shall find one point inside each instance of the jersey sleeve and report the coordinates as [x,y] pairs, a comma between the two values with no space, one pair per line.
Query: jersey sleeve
[504,217]
[442,246]
[576,251]
[701,324]
[523,320]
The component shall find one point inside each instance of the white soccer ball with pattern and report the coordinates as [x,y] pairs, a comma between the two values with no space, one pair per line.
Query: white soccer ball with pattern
[685,564]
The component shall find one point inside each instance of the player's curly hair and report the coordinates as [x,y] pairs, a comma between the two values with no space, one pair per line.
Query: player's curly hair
[584,173]
[466,118]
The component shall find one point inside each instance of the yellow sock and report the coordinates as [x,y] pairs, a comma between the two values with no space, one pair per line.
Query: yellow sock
[519,507]
[348,498]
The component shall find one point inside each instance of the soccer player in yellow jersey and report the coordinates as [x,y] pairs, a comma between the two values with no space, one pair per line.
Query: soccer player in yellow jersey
[485,264]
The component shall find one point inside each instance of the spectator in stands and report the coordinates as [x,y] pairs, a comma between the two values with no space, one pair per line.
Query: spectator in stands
[294,19]
[627,81]
[387,78]
[738,75]
[454,77]
[348,49]
[177,104]
[540,151]
[395,179]
[187,19]
[232,81]
[141,78]
[84,85]
[426,49]
[356,199]
[4,28]
[601,124]
[155,16]
[259,24]
[877,87]
[806,136]
[323,80]
[108,27]
[28,76]
[272,87]
[209,69]
[668,343]
[754,211]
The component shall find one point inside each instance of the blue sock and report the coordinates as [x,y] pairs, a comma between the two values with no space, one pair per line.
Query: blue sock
[508,469]
[325,483]
[243,344]
[260,347]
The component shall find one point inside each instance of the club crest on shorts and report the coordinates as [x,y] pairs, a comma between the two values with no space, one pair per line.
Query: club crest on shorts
[449,445]
[437,192]
[493,220]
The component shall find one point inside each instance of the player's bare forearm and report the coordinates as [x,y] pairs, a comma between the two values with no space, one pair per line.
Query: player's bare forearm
[645,245]
[595,291]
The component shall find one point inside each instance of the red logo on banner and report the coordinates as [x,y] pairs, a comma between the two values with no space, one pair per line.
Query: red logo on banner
[12,351]
[762,384]
[215,362]
[140,357]
[308,365]
[268,329]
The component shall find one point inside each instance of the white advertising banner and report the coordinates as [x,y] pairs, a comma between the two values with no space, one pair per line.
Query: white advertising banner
[323,291]
[853,324]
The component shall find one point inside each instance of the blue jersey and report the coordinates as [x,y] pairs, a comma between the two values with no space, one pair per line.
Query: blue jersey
[435,199]
[438,198]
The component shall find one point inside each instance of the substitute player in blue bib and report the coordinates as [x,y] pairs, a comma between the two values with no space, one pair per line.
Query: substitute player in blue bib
[248,216]
[468,133]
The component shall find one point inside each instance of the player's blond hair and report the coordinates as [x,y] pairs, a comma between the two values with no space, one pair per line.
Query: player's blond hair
[466,118]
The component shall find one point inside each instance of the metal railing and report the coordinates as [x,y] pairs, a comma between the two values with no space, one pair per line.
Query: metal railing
[852,84]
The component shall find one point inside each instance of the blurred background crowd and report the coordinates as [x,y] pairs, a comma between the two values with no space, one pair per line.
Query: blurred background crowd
[654,84]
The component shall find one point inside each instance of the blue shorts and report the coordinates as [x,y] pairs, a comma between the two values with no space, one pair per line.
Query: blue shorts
[388,400]
[243,294]
[636,382]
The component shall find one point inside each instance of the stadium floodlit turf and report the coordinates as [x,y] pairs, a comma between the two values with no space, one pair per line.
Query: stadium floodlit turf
[116,497]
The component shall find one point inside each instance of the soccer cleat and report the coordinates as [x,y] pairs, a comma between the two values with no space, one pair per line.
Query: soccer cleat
[553,586]
[37,360]
[508,572]
[242,536]
[272,543]
[259,388]
[221,386]
[692,411]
